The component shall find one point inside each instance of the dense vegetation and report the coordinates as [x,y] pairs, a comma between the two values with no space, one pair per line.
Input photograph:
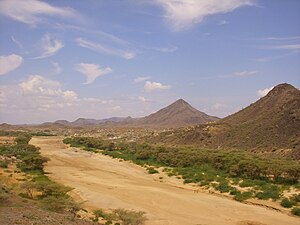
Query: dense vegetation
[224,170]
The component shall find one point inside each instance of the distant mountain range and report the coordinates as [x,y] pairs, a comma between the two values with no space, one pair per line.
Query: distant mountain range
[271,123]
[178,114]
[86,122]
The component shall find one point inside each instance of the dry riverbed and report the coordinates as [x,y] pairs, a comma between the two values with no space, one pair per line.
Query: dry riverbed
[102,182]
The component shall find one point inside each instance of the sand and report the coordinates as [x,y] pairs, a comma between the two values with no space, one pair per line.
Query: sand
[102,182]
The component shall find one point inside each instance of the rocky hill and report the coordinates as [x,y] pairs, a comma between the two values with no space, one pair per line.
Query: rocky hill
[178,114]
[270,124]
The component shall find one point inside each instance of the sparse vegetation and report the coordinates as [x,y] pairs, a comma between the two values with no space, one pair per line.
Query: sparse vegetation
[130,217]
[266,178]
[126,217]
[50,195]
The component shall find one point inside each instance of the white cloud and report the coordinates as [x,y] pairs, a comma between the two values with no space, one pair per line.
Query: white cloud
[38,85]
[104,49]
[262,93]
[18,43]
[141,79]
[286,47]
[144,99]
[274,57]
[219,106]
[223,22]
[9,63]
[56,67]
[49,46]
[280,38]
[183,14]
[153,86]
[32,12]
[92,71]
[165,49]
[245,73]
[116,108]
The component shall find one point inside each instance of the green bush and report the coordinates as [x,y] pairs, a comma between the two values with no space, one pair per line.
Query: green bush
[296,211]
[223,187]
[151,170]
[242,196]
[32,162]
[286,203]
[247,183]
[296,198]
[269,192]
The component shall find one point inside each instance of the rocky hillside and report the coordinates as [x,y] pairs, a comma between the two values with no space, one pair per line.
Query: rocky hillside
[178,114]
[270,124]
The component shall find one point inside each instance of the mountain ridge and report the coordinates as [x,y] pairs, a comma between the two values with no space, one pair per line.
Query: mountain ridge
[178,114]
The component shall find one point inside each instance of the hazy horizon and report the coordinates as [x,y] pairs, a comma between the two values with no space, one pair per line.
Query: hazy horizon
[93,59]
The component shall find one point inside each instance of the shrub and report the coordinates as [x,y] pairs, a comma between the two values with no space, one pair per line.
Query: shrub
[242,196]
[247,183]
[151,170]
[286,203]
[100,213]
[4,163]
[223,187]
[296,198]
[57,204]
[269,191]
[4,196]
[128,217]
[29,187]
[32,162]
[296,211]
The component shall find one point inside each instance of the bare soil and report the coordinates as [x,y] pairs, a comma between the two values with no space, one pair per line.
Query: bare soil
[102,182]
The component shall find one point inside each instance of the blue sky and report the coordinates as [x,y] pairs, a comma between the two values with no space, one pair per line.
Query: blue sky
[64,59]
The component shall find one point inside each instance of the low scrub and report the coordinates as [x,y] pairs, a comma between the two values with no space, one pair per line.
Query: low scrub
[130,217]
[287,203]
[296,211]
[151,170]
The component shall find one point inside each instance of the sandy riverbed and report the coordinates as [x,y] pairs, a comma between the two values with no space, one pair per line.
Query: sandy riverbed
[102,182]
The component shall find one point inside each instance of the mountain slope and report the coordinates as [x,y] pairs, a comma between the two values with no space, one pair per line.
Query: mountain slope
[272,121]
[270,124]
[178,114]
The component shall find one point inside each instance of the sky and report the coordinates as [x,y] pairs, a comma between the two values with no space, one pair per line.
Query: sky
[66,59]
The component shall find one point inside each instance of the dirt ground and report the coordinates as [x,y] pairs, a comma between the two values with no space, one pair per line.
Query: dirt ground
[102,182]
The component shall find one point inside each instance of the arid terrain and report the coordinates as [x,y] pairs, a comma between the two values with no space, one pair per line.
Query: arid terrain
[102,182]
